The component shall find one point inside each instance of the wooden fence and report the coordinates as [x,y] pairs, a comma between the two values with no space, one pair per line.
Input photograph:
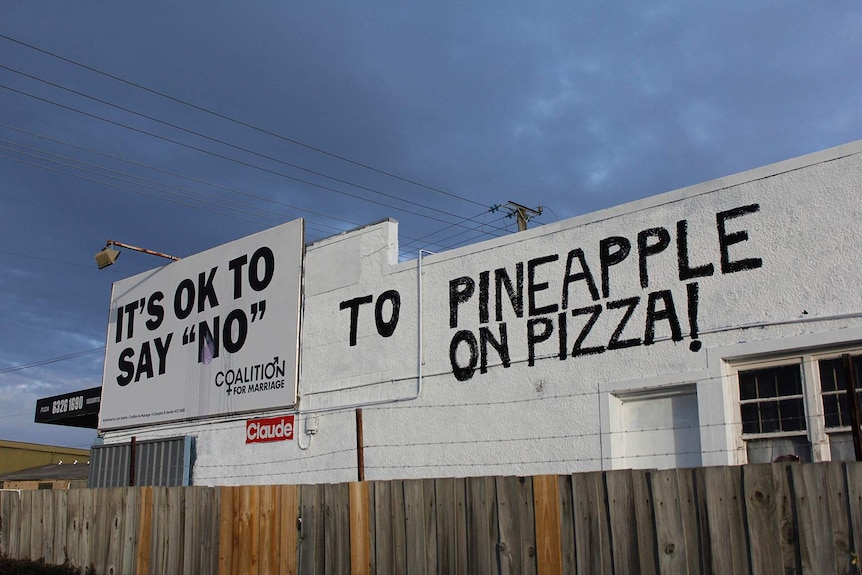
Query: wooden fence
[779,518]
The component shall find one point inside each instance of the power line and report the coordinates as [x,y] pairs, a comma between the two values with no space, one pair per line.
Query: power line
[175,174]
[219,141]
[214,154]
[52,360]
[103,171]
[238,122]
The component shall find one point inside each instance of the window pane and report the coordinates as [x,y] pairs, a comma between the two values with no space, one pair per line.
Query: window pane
[792,414]
[750,418]
[766,383]
[830,410]
[769,418]
[747,385]
[831,375]
[789,380]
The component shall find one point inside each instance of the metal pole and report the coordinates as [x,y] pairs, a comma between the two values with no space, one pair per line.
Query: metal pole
[142,250]
[360,449]
[132,461]
[853,403]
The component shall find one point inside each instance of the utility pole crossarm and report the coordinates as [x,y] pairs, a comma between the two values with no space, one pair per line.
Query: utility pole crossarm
[523,213]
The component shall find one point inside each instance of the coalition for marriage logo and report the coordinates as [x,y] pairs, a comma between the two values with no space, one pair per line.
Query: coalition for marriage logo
[252,378]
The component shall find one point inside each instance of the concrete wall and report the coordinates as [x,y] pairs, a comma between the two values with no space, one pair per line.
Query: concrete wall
[551,350]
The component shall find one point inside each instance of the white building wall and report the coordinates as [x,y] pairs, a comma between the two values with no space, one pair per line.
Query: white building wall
[788,280]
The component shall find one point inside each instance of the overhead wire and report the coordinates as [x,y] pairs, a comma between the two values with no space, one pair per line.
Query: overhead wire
[214,154]
[177,175]
[66,357]
[102,171]
[236,121]
[224,143]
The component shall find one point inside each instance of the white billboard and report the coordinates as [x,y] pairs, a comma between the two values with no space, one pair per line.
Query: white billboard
[214,333]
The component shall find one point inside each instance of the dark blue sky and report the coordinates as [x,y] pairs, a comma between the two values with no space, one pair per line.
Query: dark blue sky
[575,106]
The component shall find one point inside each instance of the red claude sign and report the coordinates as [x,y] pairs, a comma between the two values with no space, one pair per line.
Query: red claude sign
[269,429]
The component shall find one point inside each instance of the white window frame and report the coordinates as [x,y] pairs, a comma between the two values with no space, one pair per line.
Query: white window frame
[815,432]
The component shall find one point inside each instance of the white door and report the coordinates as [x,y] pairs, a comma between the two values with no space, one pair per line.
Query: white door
[661,432]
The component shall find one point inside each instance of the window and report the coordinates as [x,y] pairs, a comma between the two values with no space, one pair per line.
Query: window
[772,409]
[836,409]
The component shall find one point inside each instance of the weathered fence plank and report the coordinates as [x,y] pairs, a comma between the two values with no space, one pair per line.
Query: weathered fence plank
[836,491]
[784,517]
[414,527]
[269,530]
[360,529]
[9,522]
[27,515]
[481,525]
[815,525]
[47,525]
[761,509]
[311,538]
[225,531]
[289,531]
[854,503]
[623,520]
[592,538]
[546,502]
[61,497]
[517,533]
[336,529]
[145,531]
[729,550]
[131,505]
[669,527]
[449,547]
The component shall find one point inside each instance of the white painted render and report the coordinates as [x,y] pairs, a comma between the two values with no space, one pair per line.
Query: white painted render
[790,284]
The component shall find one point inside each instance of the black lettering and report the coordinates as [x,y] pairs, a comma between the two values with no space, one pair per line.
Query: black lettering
[594,312]
[387,328]
[463,372]
[156,311]
[130,314]
[533,286]
[501,346]
[206,291]
[563,335]
[515,293]
[667,313]
[127,368]
[460,290]
[182,310]
[162,351]
[686,272]
[725,240]
[693,293]
[353,305]
[236,265]
[233,343]
[255,280]
[119,337]
[145,362]
[630,304]
[608,258]
[484,281]
[584,274]
[533,337]
[646,249]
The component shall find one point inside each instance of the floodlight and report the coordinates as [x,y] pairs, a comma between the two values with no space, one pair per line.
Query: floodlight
[106,257]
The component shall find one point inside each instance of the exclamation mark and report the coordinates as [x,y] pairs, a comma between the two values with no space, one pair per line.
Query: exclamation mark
[693,290]
[563,333]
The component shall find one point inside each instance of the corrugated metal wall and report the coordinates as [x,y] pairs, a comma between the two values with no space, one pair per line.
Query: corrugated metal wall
[160,462]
